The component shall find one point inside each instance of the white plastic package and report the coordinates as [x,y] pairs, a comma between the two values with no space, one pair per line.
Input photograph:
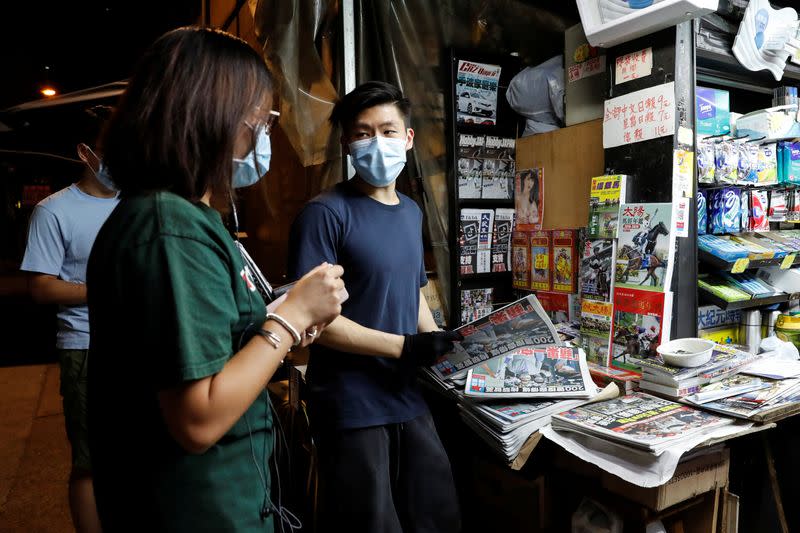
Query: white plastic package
[537,93]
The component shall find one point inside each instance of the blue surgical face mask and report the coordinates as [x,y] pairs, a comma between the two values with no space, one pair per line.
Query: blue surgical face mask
[102,174]
[378,160]
[250,168]
[104,177]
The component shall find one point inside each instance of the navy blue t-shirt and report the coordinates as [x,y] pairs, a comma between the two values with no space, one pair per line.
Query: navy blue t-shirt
[380,248]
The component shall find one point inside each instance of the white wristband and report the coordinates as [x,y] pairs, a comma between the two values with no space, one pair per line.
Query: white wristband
[288,327]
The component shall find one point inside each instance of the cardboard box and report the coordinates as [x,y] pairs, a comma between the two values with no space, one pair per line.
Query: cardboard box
[713,111]
[692,477]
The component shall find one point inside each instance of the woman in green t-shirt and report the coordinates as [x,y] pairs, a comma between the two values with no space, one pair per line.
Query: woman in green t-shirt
[182,346]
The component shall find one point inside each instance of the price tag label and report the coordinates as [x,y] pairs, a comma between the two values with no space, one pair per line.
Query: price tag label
[542,262]
[740,265]
[788,261]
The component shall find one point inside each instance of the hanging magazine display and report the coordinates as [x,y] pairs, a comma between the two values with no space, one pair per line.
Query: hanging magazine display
[552,372]
[470,165]
[522,324]
[475,240]
[501,239]
[476,93]
[498,168]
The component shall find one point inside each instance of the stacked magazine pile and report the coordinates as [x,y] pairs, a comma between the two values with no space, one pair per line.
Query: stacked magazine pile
[677,383]
[505,426]
[513,356]
[640,421]
[774,399]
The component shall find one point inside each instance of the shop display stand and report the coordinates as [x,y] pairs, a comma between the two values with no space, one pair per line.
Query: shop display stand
[506,125]
[650,162]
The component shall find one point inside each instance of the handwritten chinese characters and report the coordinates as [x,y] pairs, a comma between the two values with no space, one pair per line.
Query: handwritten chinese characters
[639,116]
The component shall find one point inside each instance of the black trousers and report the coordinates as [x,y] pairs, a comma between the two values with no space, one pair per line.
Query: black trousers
[386,479]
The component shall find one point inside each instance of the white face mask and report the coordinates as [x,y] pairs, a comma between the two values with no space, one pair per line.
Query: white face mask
[378,160]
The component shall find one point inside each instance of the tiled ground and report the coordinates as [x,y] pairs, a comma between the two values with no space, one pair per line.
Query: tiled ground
[34,452]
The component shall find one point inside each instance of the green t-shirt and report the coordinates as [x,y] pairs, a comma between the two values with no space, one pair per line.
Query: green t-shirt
[170,302]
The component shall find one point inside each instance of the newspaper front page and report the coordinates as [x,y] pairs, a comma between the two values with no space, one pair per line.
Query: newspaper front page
[552,372]
[639,420]
[522,324]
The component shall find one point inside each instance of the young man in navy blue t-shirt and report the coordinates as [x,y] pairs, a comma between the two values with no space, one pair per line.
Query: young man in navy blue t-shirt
[382,465]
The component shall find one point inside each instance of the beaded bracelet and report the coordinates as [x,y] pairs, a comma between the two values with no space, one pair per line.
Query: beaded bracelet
[288,327]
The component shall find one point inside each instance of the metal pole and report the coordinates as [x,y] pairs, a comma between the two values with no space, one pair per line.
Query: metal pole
[349,40]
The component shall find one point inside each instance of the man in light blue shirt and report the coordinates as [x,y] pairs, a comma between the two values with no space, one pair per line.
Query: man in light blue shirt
[62,230]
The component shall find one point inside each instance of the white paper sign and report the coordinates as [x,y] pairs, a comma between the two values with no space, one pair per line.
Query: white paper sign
[590,67]
[681,217]
[639,116]
[633,66]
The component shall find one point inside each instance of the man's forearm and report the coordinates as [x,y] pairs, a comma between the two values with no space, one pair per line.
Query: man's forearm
[347,336]
[51,290]
[425,322]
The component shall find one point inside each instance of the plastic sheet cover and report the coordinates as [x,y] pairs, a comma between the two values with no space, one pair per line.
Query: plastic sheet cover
[401,42]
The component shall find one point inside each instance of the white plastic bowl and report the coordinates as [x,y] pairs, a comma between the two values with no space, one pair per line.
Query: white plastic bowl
[686,353]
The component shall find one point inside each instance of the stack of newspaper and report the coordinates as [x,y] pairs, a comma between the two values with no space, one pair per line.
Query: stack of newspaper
[640,421]
[774,399]
[516,356]
[506,426]
[676,383]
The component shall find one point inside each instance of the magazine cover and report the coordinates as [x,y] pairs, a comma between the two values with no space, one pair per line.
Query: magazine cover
[639,420]
[476,92]
[604,200]
[475,304]
[520,260]
[498,168]
[552,372]
[501,239]
[596,270]
[475,240]
[564,260]
[470,165]
[522,324]
[639,320]
[540,260]
[559,307]
[529,198]
[596,331]
[645,250]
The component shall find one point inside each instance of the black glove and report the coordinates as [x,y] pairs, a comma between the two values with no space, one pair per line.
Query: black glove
[426,348]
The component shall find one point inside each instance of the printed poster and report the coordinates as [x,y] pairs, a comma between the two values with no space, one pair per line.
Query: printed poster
[476,93]
[529,198]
